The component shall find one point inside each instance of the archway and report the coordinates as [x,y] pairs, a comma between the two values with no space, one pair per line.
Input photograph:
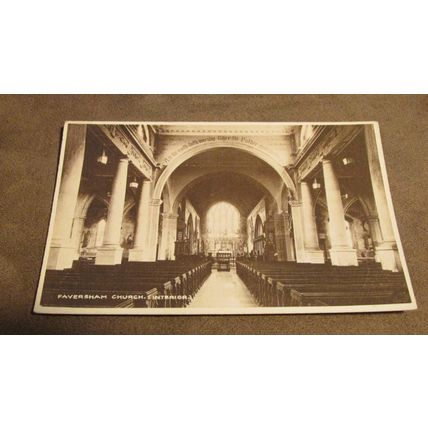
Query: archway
[212,145]
[221,174]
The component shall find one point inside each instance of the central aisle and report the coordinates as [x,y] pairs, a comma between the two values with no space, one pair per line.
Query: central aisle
[223,289]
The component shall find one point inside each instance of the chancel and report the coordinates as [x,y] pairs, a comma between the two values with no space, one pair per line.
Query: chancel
[145,210]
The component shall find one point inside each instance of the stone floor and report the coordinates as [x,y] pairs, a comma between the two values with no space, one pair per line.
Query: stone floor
[223,289]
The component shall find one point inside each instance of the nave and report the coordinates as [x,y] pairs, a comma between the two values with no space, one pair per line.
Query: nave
[223,290]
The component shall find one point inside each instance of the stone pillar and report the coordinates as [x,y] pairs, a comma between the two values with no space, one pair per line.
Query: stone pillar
[283,238]
[279,236]
[375,234]
[313,254]
[289,244]
[76,235]
[169,234]
[296,212]
[386,251]
[341,253]
[136,253]
[152,239]
[111,252]
[61,253]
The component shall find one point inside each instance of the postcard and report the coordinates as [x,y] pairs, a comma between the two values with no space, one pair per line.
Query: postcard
[222,218]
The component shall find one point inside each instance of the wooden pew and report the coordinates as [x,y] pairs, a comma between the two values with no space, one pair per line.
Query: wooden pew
[272,284]
[171,280]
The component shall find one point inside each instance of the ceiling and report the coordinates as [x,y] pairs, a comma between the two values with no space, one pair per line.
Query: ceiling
[223,174]
[241,191]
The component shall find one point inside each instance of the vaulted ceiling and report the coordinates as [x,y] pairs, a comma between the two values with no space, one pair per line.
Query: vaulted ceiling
[223,175]
[239,190]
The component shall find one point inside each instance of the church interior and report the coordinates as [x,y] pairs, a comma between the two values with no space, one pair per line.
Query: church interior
[298,213]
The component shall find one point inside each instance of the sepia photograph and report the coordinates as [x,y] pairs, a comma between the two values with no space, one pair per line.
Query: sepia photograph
[200,218]
[213,212]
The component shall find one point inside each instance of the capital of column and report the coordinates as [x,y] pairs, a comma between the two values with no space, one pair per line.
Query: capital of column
[156,202]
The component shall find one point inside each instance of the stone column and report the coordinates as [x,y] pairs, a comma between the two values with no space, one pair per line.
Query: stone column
[61,253]
[111,252]
[152,240]
[386,251]
[169,233]
[283,239]
[76,235]
[312,249]
[375,234]
[296,212]
[341,253]
[289,245]
[279,236]
[142,224]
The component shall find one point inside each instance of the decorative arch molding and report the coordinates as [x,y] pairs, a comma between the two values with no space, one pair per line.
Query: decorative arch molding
[210,145]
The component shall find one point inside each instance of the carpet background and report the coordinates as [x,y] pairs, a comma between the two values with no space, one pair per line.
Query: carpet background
[30,136]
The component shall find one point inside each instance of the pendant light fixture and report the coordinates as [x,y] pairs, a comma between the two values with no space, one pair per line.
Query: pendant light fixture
[103,158]
[316,185]
[134,184]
